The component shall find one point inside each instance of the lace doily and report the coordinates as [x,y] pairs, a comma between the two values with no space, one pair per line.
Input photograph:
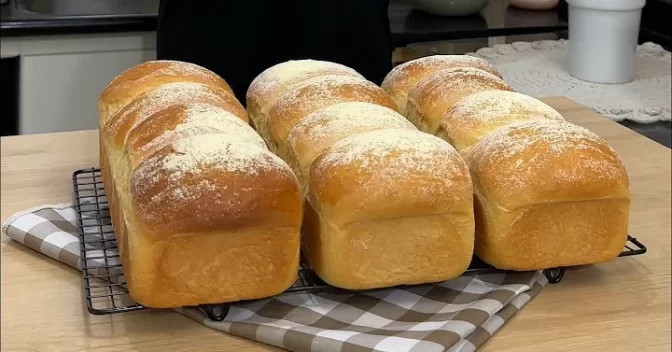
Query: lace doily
[539,69]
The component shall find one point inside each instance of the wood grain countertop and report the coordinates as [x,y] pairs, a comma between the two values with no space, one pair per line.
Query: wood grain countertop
[623,305]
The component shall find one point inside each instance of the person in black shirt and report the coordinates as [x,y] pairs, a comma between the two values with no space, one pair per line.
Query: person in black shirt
[238,39]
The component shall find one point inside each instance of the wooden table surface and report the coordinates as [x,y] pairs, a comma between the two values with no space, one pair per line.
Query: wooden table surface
[623,305]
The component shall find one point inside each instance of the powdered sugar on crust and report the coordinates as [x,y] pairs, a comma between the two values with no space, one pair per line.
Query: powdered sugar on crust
[483,108]
[394,156]
[206,119]
[291,72]
[409,73]
[545,153]
[344,118]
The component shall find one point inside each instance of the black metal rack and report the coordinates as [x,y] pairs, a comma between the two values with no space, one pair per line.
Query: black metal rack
[104,286]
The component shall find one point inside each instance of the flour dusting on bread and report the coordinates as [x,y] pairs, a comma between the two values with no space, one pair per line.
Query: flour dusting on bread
[201,119]
[486,107]
[328,88]
[148,71]
[408,73]
[453,84]
[393,155]
[517,153]
[165,96]
[219,152]
[345,118]
[286,74]
[320,92]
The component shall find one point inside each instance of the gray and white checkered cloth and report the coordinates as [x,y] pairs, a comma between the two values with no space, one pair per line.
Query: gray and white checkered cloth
[456,315]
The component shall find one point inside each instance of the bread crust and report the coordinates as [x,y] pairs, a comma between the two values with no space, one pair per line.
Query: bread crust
[147,76]
[209,183]
[277,80]
[389,207]
[478,114]
[203,212]
[181,121]
[321,129]
[439,91]
[403,78]
[548,193]
[404,215]
[318,93]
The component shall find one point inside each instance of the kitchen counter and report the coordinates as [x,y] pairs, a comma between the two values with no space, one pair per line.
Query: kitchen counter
[623,305]
[407,25]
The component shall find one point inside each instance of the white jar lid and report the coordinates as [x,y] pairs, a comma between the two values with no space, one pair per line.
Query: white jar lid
[609,5]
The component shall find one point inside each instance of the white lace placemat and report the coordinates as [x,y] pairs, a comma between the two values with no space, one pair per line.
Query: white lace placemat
[539,69]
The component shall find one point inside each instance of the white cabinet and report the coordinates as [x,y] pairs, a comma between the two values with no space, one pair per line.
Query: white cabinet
[61,77]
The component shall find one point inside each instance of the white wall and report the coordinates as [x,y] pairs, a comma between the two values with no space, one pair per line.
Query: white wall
[62,76]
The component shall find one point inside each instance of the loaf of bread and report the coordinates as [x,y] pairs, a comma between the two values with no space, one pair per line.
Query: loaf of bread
[438,92]
[476,115]
[203,212]
[268,86]
[548,193]
[389,207]
[387,204]
[403,78]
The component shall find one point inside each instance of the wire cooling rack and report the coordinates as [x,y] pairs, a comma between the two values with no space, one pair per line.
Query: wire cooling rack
[103,282]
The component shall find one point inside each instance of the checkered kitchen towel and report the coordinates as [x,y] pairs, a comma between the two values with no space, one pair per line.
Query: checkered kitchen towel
[456,315]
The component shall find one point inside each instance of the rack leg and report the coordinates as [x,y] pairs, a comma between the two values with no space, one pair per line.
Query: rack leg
[554,275]
[215,312]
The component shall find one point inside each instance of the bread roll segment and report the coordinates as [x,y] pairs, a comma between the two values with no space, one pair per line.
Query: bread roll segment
[165,96]
[320,92]
[478,114]
[548,194]
[277,80]
[149,75]
[203,212]
[319,130]
[439,91]
[185,120]
[403,78]
[391,207]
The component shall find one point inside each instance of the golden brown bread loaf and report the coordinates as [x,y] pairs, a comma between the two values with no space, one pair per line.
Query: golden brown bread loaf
[439,91]
[478,114]
[203,212]
[403,78]
[548,193]
[387,205]
[273,82]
